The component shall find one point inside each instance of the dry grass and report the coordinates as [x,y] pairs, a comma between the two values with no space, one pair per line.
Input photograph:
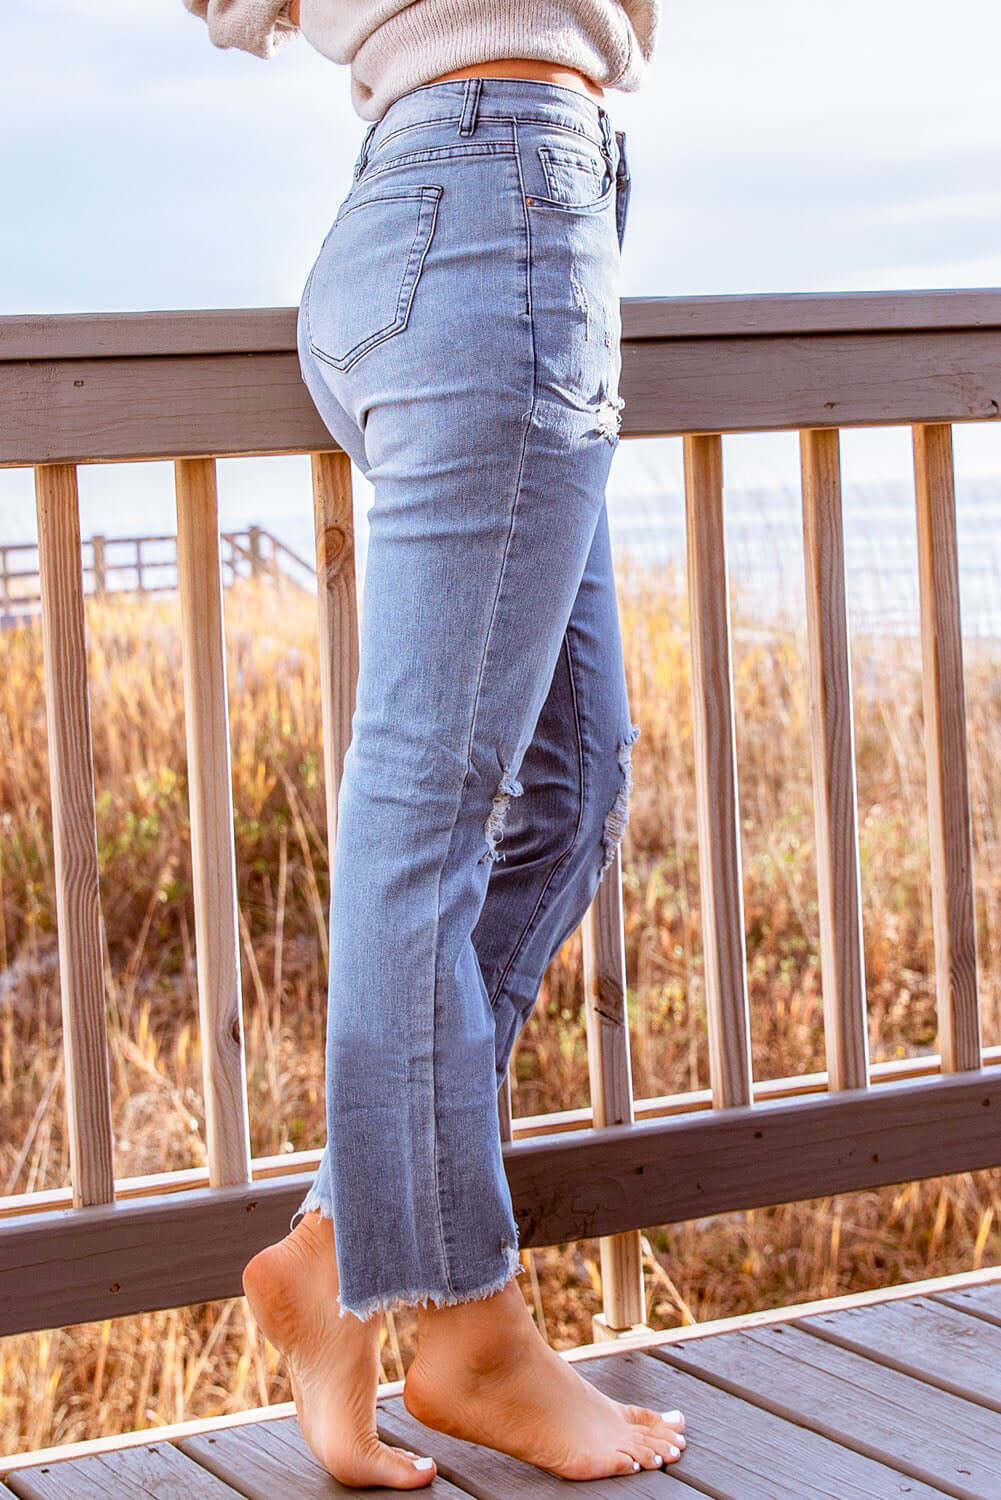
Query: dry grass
[144,1371]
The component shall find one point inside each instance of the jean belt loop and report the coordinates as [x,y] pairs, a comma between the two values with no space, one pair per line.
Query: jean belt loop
[606,135]
[362,161]
[470,106]
[622,171]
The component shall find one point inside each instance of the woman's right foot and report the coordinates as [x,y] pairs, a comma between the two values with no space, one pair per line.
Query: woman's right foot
[292,1288]
[483,1372]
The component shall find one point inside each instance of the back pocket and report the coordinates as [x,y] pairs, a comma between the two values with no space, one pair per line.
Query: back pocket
[575,178]
[361,289]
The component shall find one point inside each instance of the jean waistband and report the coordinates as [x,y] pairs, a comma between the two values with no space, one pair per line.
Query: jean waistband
[466,100]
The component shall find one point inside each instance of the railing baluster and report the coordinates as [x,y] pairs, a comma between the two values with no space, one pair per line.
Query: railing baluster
[504,1111]
[336,596]
[74,835]
[100,571]
[833,740]
[722,898]
[945,751]
[210,797]
[610,1072]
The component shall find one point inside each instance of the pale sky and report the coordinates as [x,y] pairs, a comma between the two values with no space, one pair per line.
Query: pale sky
[774,146]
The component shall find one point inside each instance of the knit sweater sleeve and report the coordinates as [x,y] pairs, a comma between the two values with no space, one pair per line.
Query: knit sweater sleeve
[262,27]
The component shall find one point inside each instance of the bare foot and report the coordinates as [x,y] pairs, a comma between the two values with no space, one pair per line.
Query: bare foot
[483,1372]
[292,1289]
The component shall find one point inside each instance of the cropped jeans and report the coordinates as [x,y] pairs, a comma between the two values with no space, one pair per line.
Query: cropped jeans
[460,336]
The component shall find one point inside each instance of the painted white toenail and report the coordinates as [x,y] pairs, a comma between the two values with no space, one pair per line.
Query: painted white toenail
[635,1466]
[674,1451]
[423,1463]
[659,1459]
[671,1416]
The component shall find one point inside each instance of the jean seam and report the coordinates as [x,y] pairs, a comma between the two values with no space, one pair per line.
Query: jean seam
[527,220]
[571,128]
[469,750]
[532,922]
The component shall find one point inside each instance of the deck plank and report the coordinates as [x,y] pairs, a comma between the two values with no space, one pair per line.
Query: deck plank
[122,1474]
[935,1343]
[738,1450]
[925,1432]
[980,1301]
[268,1459]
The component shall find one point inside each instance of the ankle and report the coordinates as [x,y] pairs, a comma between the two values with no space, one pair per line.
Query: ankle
[308,1251]
[484,1332]
[314,1229]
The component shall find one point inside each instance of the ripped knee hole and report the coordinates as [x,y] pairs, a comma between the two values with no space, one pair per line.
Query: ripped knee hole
[507,788]
[618,813]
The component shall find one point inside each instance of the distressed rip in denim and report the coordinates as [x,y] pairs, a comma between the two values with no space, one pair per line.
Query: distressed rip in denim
[460,336]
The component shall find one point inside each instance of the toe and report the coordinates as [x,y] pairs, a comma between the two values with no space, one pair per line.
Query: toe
[647,1457]
[658,1421]
[667,1448]
[660,1427]
[374,1462]
[666,1444]
[414,1469]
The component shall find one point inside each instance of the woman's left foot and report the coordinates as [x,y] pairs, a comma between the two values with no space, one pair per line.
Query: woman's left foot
[292,1288]
[484,1373]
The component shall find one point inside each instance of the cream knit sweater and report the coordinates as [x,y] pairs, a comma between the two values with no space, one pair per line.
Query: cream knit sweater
[395,45]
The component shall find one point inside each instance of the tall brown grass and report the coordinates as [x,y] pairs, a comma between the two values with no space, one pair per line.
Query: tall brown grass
[144,1371]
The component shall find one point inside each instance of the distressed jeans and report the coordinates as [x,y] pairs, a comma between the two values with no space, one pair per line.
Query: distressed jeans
[460,336]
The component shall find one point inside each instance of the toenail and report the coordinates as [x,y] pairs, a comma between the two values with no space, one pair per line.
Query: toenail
[674,1451]
[423,1463]
[658,1459]
[671,1416]
[635,1466]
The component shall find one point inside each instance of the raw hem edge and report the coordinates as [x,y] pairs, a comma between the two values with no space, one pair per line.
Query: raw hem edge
[312,1203]
[396,1301]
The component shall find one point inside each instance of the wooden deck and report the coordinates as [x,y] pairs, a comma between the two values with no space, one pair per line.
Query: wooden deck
[860,1398]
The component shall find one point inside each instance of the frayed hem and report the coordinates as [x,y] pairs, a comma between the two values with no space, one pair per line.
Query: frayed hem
[310,1204]
[417,1297]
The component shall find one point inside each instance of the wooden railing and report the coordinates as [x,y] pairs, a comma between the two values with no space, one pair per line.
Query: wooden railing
[253,553]
[190,387]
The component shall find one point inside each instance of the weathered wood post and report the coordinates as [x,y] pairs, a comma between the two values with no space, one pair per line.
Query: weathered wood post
[98,568]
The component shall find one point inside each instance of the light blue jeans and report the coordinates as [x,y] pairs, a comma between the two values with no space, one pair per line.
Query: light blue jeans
[460,336]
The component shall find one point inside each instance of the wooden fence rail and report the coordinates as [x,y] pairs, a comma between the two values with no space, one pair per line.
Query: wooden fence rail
[253,553]
[193,387]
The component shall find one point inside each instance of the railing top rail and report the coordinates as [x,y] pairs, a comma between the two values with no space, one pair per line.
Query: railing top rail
[764,314]
[241,330]
[48,336]
[100,388]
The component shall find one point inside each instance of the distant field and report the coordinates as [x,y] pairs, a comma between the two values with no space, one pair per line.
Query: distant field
[147,1370]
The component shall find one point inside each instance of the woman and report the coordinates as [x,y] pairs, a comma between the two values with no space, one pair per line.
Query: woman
[459,334]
